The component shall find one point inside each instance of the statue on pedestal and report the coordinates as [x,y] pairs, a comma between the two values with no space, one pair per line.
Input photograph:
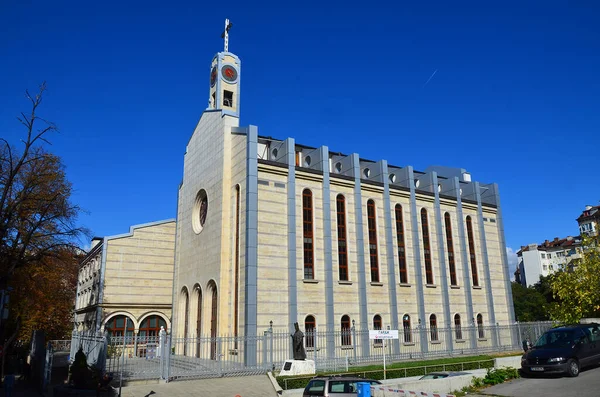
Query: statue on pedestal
[298,344]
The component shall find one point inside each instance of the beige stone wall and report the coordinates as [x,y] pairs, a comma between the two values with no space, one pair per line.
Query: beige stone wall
[204,259]
[138,277]
[273,280]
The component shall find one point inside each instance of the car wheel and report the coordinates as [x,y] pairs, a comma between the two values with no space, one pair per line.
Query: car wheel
[572,368]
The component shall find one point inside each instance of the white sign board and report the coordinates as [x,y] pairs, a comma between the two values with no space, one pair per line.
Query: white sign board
[383,334]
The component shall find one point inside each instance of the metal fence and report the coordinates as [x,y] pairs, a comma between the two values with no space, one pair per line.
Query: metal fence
[170,358]
[61,345]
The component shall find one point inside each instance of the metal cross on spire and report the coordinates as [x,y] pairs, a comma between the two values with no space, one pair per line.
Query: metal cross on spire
[225,34]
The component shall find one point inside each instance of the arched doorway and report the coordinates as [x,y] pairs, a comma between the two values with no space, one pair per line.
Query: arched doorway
[213,319]
[198,296]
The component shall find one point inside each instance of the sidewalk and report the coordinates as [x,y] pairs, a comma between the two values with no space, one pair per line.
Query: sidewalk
[242,386]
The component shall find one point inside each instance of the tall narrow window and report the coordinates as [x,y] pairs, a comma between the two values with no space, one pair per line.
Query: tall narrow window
[377,326]
[472,252]
[401,247]
[426,247]
[309,328]
[213,320]
[307,216]
[341,231]
[373,241]
[457,327]
[406,328]
[450,249]
[346,331]
[433,327]
[236,264]
[480,330]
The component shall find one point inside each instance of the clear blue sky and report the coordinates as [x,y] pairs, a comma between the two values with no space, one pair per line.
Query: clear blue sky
[515,99]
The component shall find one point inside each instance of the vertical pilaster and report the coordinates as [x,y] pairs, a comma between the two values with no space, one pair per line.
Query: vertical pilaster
[360,257]
[389,237]
[291,218]
[414,216]
[485,260]
[503,256]
[465,262]
[442,260]
[251,273]
[327,248]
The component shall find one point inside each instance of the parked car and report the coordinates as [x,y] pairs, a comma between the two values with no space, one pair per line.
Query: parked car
[443,374]
[335,386]
[563,350]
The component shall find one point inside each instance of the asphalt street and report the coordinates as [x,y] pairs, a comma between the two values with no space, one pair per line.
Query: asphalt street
[587,384]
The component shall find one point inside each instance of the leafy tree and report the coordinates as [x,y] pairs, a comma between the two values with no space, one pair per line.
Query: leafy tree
[577,287]
[43,295]
[528,303]
[37,218]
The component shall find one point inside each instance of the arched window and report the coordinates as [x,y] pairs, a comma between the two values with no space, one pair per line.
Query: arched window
[377,324]
[407,329]
[472,252]
[401,247]
[450,249]
[372,224]
[433,327]
[480,330]
[457,327]
[341,231]
[309,329]
[346,331]
[307,221]
[150,326]
[214,303]
[426,247]
[119,325]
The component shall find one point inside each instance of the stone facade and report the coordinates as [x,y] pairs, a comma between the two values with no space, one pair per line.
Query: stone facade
[246,267]
[127,275]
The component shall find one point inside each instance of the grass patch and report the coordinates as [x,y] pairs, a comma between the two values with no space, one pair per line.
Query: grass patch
[398,370]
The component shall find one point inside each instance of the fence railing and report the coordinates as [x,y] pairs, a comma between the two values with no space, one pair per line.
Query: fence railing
[61,345]
[169,357]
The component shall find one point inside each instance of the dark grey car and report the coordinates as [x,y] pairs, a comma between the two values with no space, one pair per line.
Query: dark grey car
[563,350]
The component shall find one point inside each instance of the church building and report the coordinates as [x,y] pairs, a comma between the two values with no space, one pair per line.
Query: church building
[271,232]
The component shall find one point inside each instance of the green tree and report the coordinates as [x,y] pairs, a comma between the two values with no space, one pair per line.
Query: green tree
[529,303]
[576,287]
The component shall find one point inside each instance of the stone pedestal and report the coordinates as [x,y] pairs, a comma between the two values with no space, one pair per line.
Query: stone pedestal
[298,367]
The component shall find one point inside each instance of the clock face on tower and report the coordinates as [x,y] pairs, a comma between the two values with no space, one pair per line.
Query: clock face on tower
[213,76]
[229,73]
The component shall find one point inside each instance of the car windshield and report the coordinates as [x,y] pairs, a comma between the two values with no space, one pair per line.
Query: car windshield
[556,339]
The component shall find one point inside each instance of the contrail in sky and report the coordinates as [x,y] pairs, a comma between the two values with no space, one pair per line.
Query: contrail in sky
[430,77]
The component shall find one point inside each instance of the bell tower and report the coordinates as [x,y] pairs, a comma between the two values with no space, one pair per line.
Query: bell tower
[225,69]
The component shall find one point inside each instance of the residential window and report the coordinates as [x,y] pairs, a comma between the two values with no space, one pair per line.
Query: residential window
[376,326]
[545,267]
[307,217]
[426,247]
[549,255]
[433,328]
[341,231]
[480,326]
[551,267]
[450,249]
[372,223]
[407,330]
[472,252]
[309,327]
[457,327]
[401,246]
[543,256]
[346,331]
